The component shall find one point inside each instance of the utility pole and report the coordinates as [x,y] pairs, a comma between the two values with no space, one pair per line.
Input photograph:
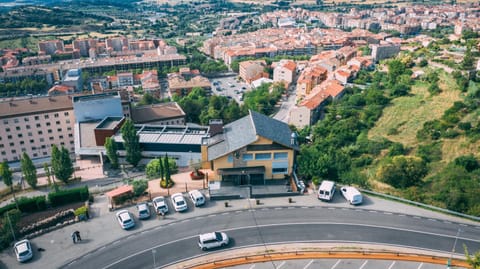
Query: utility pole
[11,227]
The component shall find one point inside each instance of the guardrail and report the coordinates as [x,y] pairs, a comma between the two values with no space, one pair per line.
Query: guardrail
[315,254]
[443,210]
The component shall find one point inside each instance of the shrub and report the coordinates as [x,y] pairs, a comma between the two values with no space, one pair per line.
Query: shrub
[465,126]
[32,204]
[163,184]
[362,161]
[68,196]
[81,211]
[396,149]
[469,162]
[139,187]
[430,152]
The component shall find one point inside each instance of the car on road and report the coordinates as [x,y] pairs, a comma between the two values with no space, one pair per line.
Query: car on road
[160,205]
[212,240]
[352,195]
[125,219]
[179,202]
[23,250]
[143,211]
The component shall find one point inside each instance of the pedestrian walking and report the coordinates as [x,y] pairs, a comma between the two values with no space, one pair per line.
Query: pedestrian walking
[77,235]
[74,237]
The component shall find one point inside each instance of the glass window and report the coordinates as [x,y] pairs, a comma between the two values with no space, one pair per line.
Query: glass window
[12,144]
[25,119]
[280,155]
[7,130]
[247,157]
[28,126]
[57,122]
[30,134]
[32,141]
[18,128]
[38,125]
[1,145]
[46,117]
[66,113]
[279,170]
[230,158]
[22,142]
[55,115]
[36,117]
[48,123]
[263,156]
[40,132]
[20,135]
[15,120]
[5,121]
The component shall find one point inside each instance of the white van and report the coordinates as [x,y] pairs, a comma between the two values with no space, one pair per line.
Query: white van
[352,195]
[197,197]
[326,190]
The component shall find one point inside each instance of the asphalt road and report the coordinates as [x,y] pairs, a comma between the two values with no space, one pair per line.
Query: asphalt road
[177,241]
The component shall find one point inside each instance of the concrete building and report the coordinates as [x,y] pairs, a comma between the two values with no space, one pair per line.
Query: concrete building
[50,47]
[384,51]
[252,70]
[182,83]
[159,114]
[284,72]
[73,78]
[34,125]
[96,107]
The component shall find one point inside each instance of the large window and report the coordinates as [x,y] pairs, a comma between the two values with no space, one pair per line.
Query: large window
[279,168]
[247,157]
[280,155]
[230,158]
[263,156]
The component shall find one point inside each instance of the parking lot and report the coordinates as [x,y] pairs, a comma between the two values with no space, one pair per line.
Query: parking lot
[229,87]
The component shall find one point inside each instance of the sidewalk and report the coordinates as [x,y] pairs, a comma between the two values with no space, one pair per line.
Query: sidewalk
[60,250]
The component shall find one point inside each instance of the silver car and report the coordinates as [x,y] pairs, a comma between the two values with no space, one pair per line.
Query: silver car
[23,250]
[143,211]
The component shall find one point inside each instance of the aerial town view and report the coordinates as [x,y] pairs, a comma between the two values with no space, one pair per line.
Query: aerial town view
[266,134]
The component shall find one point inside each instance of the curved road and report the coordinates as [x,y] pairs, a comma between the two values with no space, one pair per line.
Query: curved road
[177,241]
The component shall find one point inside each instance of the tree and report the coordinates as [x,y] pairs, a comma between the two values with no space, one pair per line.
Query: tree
[131,143]
[472,260]
[28,170]
[7,178]
[61,164]
[167,169]
[111,148]
[403,171]
[154,168]
[139,187]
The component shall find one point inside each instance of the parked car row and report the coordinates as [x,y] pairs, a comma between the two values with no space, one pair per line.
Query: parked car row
[160,205]
[327,189]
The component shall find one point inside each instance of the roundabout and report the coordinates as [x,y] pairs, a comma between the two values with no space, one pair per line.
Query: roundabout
[174,244]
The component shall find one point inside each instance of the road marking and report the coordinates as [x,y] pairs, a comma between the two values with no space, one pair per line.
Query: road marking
[432,219]
[363,265]
[213,215]
[291,207]
[185,220]
[285,224]
[372,211]
[344,208]
[304,207]
[335,265]
[387,213]
[359,210]
[464,225]
[308,264]
[226,213]
[391,265]
[401,215]
[282,264]
[239,211]
[416,217]
[420,266]
[331,208]
[447,222]
[278,208]
[253,266]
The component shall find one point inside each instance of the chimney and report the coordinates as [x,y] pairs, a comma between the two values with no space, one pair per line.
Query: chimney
[293,139]
[216,127]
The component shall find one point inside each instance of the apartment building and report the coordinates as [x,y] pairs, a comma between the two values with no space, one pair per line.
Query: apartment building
[383,51]
[34,125]
[252,70]
[309,78]
[284,72]
[182,83]
[50,47]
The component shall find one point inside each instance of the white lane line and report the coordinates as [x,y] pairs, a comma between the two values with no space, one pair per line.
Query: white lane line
[253,266]
[238,211]
[420,266]
[391,265]
[282,264]
[331,208]
[308,264]
[226,213]
[213,215]
[278,208]
[401,215]
[464,225]
[416,217]
[335,265]
[432,219]
[387,213]
[372,211]
[363,265]
[304,207]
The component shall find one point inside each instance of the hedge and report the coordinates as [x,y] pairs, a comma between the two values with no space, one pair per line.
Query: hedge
[33,204]
[27,204]
[63,197]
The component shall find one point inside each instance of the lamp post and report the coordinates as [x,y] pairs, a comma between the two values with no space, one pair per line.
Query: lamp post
[449,262]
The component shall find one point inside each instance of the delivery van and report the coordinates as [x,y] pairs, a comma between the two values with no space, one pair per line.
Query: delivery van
[352,195]
[326,190]
[197,197]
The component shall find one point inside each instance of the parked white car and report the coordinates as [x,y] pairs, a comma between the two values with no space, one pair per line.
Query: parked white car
[160,205]
[23,250]
[125,219]
[352,195]
[212,240]
[143,211]
[179,202]
[198,199]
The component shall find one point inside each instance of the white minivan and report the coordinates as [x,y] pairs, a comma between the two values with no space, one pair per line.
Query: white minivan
[197,197]
[326,190]
[352,195]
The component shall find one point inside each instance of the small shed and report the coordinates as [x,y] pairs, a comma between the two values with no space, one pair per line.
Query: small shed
[114,195]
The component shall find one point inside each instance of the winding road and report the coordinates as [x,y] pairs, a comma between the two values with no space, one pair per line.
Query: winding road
[177,241]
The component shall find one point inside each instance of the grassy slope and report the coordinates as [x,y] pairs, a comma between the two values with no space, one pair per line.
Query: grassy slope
[408,114]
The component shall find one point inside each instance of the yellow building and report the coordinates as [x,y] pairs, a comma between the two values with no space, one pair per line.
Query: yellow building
[251,150]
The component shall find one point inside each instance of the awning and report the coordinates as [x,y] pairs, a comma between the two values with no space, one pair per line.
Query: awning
[241,170]
[119,191]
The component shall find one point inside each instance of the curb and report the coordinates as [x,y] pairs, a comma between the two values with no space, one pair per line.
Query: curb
[296,251]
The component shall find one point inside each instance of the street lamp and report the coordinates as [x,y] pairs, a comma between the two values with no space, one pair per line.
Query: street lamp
[449,262]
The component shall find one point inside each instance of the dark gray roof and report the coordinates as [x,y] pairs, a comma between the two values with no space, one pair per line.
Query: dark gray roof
[244,131]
